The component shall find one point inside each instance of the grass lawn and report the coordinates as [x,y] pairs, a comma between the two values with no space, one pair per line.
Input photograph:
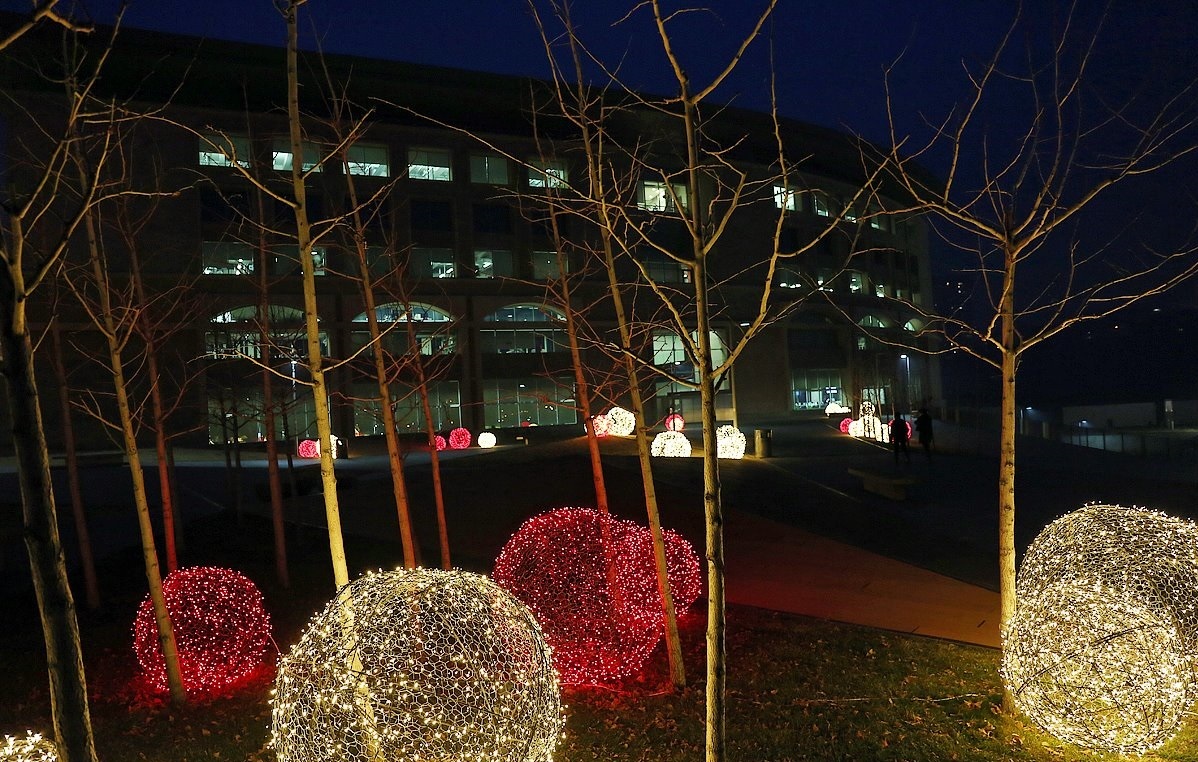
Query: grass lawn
[798,689]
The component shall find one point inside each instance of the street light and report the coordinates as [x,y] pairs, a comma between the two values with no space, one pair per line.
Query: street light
[906,378]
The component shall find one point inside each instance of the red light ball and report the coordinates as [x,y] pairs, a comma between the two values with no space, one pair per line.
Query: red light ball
[222,630]
[558,564]
[675,422]
[308,448]
[460,438]
[439,442]
[844,425]
[601,425]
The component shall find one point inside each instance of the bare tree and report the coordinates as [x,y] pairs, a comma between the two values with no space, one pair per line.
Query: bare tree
[1015,206]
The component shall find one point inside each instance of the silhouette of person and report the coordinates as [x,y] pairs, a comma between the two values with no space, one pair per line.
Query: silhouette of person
[898,437]
[923,425]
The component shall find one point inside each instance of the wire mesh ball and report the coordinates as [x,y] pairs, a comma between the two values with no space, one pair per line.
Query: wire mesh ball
[638,572]
[418,664]
[222,631]
[675,422]
[623,422]
[563,564]
[670,444]
[460,438]
[308,448]
[729,442]
[439,443]
[1102,649]
[486,440]
[32,747]
[844,425]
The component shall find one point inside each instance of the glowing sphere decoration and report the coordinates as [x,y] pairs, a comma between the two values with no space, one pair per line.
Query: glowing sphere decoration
[729,442]
[222,631]
[1102,649]
[439,442]
[460,438]
[670,444]
[623,422]
[558,563]
[844,425]
[486,440]
[600,425]
[308,448]
[675,422]
[835,408]
[418,664]
[856,428]
[32,747]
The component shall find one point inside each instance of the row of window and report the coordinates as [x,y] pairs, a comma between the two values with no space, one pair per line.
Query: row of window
[374,160]
[822,204]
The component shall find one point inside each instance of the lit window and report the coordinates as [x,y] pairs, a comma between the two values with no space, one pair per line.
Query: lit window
[858,283]
[227,258]
[872,321]
[218,150]
[281,158]
[492,264]
[659,196]
[368,160]
[433,263]
[549,173]
[822,204]
[785,198]
[489,169]
[664,270]
[880,290]
[876,220]
[430,164]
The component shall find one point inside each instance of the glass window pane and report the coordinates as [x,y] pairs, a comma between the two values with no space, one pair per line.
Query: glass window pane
[369,160]
[220,150]
[547,173]
[227,258]
[430,164]
[489,169]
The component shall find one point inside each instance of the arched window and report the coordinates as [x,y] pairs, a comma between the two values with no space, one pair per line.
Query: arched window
[433,329]
[873,321]
[538,330]
[914,325]
[238,334]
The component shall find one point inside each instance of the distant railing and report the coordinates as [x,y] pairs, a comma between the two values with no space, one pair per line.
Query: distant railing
[1170,446]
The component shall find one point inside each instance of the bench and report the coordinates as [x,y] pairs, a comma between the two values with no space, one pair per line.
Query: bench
[886,485]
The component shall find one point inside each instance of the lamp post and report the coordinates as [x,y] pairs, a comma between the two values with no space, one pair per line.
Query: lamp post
[906,379]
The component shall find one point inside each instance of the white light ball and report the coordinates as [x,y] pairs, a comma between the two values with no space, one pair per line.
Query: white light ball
[1102,649]
[857,428]
[622,422]
[486,440]
[670,444]
[729,442]
[418,664]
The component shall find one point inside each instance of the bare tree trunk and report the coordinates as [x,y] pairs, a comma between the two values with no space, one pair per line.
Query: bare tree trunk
[328,478]
[1006,466]
[60,628]
[399,484]
[434,458]
[277,524]
[86,559]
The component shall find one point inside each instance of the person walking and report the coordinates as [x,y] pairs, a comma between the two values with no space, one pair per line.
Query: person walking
[899,436]
[923,426]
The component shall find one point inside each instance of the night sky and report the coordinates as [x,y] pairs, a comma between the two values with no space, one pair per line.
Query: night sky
[828,59]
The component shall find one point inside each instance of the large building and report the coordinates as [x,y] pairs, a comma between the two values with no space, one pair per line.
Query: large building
[452,170]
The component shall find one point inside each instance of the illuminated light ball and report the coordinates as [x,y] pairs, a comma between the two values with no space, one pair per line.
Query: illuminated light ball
[460,438]
[308,448]
[1102,646]
[418,664]
[557,564]
[845,423]
[835,408]
[32,747]
[222,631]
[601,425]
[729,442]
[675,422]
[871,427]
[638,573]
[670,444]
[486,440]
[857,428]
[439,442]
[623,422]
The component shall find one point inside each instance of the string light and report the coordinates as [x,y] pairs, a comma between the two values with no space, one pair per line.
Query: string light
[845,423]
[563,564]
[418,664]
[222,631]
[675,422]
[729,442]
[486,440]
[1102,648]
[601,425]
[439,442]
[670,444]
[310,448]
[32,747]
[623,422]
[460,438]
